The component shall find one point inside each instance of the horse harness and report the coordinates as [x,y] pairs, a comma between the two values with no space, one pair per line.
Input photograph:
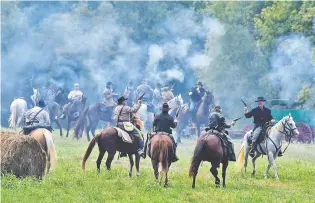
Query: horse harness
[286,133]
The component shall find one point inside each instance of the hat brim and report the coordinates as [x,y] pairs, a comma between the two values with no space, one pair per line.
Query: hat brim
[260,100]
[165,108]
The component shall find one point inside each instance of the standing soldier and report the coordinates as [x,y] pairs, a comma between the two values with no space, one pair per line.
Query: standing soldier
[123,113]
[157,97]
[163,123]
[109,95]
[144,88]
[261,115]
[217,122]
[167,94]
[130,93]
[75,94]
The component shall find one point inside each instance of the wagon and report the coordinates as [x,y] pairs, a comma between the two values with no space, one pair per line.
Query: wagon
[304,118]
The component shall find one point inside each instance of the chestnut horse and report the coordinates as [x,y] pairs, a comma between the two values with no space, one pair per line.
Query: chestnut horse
[108,141]
[161,152]
[209,148]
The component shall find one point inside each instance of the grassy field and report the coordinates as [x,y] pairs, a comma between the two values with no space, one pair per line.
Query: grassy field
[68,183]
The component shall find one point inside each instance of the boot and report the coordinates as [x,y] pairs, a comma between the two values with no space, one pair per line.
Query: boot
[141,153]
[253,149]
[231,155]
[175,158]
[63,116]
[280,153]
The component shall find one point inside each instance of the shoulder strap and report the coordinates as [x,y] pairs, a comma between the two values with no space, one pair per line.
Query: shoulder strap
[120,113]
[37,113]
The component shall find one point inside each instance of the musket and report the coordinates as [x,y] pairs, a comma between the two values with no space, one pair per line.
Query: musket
[237,119]
[141,96]
[176,116]
[244,102]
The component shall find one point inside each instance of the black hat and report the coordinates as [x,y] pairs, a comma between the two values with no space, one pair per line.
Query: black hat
[109,83]
[260,99]
[199,83]
[41,103]
[165,107]
[121,99]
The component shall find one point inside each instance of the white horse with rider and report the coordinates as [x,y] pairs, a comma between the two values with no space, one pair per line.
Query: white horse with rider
[271,146]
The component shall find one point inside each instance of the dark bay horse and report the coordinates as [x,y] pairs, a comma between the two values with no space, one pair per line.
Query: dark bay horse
[108,141]
[202,115]
[74,110]
[90,117]
[54,114]
[161,152]
[209,148]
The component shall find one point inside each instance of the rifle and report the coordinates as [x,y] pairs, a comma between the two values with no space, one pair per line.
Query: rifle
[176,116]
[141,96]
[244,102]
[237,119]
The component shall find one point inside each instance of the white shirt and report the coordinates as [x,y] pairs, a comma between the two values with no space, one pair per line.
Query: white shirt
[75,95]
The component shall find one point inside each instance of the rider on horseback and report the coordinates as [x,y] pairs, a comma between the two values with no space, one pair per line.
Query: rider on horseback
[109,95]
[167,94]
[196,94]
[75,94]
[144,88]
[217,123]
[261,115]
[123,113]
[48,93]
[36,117]
[163,123]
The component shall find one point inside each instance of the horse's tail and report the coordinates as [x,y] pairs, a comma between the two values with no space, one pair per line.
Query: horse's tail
[78,129]
[241,157]
[89,150]
[12,118]
[197,157]
[51,149]
[161,154]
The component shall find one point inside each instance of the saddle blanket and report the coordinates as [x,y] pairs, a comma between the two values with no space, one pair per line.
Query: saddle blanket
[124,135]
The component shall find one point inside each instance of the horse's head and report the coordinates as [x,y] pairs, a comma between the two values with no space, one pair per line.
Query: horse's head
[176,102]
[289,127]
[208,97]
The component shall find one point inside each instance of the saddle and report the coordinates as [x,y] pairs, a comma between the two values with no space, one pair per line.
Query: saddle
[29,128]
[219,134]
[125,136]
[263,134]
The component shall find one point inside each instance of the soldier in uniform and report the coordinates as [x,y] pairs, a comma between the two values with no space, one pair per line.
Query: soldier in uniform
[261,115]
[163,123]
[144,88]
[196,94]
[123,113]
[167,94]
[75,94]
[36,117]
[217,122]
[109,95]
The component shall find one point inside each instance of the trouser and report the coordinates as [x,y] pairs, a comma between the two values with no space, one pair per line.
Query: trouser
[256,132]
[139,139]
[230,144]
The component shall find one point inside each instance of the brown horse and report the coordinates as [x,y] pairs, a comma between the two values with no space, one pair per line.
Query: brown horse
[209,148]
[161,152]
[44,137]
[108,141]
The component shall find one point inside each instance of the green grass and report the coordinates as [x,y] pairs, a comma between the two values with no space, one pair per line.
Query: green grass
[68,183]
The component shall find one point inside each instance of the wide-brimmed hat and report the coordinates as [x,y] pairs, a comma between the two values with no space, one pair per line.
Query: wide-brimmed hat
[41,103]
[121,99]
[260,99]
[199,83]
[165,107]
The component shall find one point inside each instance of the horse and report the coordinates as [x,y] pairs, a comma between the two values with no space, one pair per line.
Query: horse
[108,141]
[54,111]
[209,148]
[90,117]
[145,116]
[74,110]
[202,115]
[270,146]
[60,97]
[175,104]
[162,152]
[44,137]
[35,96]
[18,108]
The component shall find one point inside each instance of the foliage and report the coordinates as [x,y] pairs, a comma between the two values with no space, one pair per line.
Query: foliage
[68,183]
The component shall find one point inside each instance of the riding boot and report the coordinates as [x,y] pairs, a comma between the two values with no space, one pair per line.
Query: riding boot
[253,149]
[175,158]
[231,153]
[141,153]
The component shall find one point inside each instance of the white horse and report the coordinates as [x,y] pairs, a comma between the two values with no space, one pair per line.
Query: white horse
[145,116]
[176,102]
[36,96]
[18,108]
[270,146]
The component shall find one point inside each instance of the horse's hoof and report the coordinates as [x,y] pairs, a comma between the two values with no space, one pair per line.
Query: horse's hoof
[130,175]
[193,186]
[137,174]
[218,186]
[166,186]
[265,176]
[224,186]
[276,177]
[253,173]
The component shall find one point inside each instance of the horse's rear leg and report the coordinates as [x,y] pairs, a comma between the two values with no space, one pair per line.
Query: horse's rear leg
[93,127]
[137,164]
[214,171]
[224,167]
[166,180]
[109,160]
[254,163]
[131,164]
[155,165]
[59,126]
[195,171]
[198,129]
[99,160]
[68,128]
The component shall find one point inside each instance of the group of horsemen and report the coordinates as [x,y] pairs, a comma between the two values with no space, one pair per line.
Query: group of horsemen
[163,122]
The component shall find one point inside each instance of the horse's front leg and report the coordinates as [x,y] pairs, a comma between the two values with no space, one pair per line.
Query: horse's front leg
[131,164]
[68,127]
[59,126]
[246,151]
[138,164]
[273,162]
[254,163]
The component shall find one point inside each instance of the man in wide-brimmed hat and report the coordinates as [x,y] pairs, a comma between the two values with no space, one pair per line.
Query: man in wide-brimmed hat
[167,93]
[164,123]
[36,117]
[109,95]
[75,94]
[195,94]
[122,113]
[261,115]
[217,122]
